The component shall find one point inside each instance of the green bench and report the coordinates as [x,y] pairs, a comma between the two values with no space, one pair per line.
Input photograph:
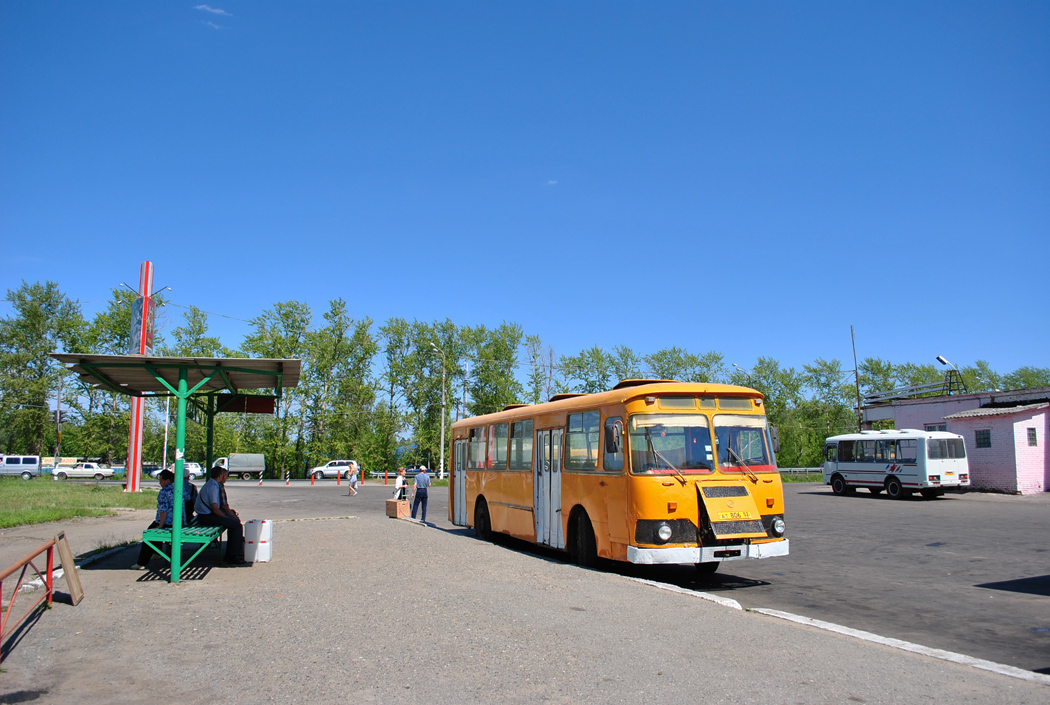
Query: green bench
[203,535]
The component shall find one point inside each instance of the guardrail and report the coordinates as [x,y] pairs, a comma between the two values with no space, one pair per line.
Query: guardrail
[801,471]
[48,579]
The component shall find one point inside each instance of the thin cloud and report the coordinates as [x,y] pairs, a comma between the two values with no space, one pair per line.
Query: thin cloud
[210,24]
[213,10]
[552,182]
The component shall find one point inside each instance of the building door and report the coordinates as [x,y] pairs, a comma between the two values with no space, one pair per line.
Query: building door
[547,501]
[459,507]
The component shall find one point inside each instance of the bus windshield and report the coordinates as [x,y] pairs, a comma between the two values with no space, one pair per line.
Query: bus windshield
[663,444]
[741,440]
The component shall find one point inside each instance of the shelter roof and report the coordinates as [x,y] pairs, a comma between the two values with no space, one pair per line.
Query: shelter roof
[142,375]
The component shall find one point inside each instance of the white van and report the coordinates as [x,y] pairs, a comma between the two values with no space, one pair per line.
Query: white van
[900,462]
[27,466]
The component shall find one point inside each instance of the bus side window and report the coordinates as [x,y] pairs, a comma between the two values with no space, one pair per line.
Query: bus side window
[612,458]
[865,451]
[906,450]
[581,446]
[831,453]
[846,451]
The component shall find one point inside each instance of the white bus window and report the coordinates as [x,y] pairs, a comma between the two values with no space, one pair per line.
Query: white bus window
[945,448]
[886,452]
[865,452]
[906,451]
[831,453]
[846,451]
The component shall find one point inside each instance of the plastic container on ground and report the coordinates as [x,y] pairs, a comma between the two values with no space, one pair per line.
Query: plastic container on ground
[258,540]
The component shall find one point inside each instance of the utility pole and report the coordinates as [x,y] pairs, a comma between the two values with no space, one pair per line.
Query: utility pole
[58,423]
[441,472]
[856,378]
[465,376]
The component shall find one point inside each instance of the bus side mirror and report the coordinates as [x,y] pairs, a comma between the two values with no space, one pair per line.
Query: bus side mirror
[612,438]
[774,437]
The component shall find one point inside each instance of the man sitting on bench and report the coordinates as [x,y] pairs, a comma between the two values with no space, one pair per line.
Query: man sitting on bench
[165,507]
[213,509]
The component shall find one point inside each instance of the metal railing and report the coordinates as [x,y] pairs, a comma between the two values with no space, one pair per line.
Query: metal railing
[801,471]
[47,578]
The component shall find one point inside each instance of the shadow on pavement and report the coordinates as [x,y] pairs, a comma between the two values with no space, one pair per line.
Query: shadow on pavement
[1038,585]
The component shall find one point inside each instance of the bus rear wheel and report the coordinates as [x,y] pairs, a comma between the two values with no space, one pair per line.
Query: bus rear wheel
[894,489]
[482,525]
[839,486]
[582,548]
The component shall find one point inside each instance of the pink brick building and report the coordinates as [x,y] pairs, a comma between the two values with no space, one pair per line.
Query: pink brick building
[1005,433]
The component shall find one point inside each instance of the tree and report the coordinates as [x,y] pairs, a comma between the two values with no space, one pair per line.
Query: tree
[494,358]
[45,321]
[1027,378]
[280,333]
[981,377]
[877,375]
[592,369]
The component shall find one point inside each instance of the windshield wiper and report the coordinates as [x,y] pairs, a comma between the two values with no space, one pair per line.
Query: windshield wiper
[747,468]
[658,454]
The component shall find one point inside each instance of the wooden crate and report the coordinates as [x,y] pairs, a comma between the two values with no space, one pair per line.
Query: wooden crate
[397,508]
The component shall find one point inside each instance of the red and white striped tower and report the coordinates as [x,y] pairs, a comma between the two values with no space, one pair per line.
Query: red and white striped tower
[141,344]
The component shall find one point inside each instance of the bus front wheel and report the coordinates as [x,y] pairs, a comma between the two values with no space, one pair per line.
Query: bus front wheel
[582,549]
[839,486]
[482,525]
[894,489]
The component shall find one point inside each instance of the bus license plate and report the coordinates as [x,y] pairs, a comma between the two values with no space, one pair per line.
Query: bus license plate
[733,516]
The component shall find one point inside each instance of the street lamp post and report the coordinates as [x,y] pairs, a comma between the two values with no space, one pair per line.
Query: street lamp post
[441,472]
[746,372]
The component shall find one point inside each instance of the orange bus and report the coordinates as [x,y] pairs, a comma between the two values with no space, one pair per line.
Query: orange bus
[650,472]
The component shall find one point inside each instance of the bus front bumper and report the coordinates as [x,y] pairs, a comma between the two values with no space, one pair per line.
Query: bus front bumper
[678,555]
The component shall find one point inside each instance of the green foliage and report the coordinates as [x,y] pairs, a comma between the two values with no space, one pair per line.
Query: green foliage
[374,394]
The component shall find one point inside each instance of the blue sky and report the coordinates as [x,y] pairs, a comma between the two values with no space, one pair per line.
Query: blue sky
[744,177]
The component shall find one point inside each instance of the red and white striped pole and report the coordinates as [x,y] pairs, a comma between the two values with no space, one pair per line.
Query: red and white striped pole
[287,478]
[141,344]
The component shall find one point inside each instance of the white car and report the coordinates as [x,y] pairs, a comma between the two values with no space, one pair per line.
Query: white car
[84,470]
[331,469]
[194,469]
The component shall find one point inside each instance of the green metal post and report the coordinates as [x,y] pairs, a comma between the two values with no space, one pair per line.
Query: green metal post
[210,454]
[180,452]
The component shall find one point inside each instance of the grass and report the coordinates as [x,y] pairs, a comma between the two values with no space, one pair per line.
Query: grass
[40,500]
[809,477]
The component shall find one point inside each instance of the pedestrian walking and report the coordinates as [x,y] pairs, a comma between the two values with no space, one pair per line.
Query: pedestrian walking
[420,491]
[352,480]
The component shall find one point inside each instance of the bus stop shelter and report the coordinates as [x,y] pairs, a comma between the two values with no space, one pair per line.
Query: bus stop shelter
[205,385]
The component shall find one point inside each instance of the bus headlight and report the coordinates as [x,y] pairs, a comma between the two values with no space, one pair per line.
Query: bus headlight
[777,526]
[663,532]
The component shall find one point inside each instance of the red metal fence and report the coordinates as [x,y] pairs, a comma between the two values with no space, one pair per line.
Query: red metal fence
[6,625]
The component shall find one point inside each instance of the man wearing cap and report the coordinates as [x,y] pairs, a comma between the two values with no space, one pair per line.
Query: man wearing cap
[420,491]
[213,509]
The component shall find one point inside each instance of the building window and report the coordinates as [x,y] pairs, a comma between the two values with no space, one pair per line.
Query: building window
[1032,440]
[936,427]
[983,439]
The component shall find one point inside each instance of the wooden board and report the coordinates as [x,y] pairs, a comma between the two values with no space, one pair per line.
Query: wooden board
[69,569]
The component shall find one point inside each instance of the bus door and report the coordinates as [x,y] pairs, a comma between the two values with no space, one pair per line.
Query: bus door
[547,501]
[459,512]
[831,459]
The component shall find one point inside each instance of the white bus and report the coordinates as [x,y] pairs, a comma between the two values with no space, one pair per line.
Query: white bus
[899,462]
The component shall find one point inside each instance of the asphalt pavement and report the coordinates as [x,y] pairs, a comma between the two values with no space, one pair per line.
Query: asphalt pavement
[358,607]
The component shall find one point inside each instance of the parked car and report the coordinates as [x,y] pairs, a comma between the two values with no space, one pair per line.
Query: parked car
[332,468]
[26,466]
[194,469]
[84,470]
